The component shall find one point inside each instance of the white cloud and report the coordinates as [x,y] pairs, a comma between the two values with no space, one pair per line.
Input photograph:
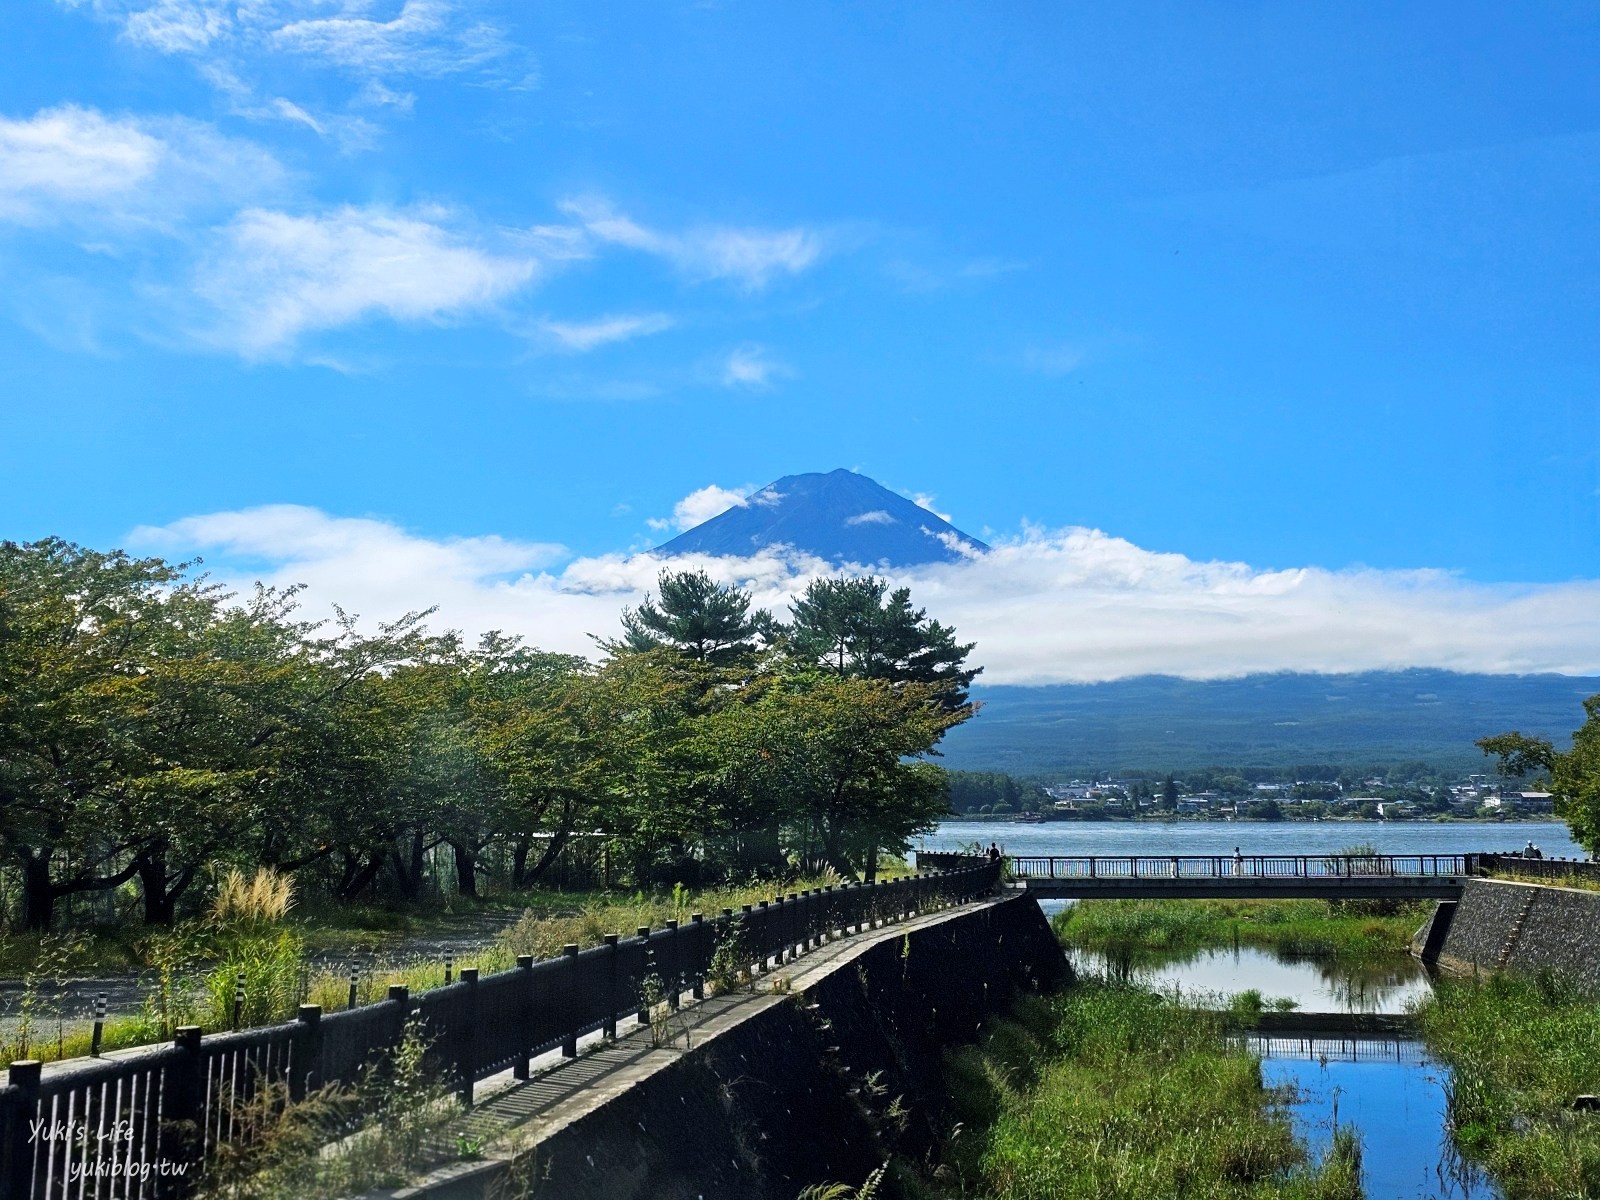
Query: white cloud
[749,367]
[275,276]
[750,258]
[876,517]
[924,500]
[425,37]
[178,26]
[1073,605]
[701,505]
[583,336]
[234,42]
[71,161]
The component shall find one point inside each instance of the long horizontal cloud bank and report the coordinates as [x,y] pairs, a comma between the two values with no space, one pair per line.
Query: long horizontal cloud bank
[1073,605]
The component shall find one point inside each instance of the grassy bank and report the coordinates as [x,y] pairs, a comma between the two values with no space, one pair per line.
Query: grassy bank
[1114,1091]
[1520,1051]
[194,966]
[1350,930]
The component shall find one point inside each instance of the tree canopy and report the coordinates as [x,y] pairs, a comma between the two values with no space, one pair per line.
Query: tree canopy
[155,729]
[1574,775]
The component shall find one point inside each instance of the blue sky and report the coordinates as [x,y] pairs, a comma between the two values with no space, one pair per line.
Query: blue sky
[1287,286]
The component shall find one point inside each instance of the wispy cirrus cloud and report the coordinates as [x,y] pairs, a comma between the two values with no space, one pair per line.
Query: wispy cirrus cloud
[752,368]
[749,258]
[274,276]
[74,163]
[235,43]
[1069,605]
[582,336]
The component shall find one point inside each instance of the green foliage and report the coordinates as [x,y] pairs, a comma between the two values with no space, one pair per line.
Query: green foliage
[1145,929]
[859,629]
[1110,1091]
[285,1151]
[708,622]
[1574,774]
[161,736]
[1520,1050]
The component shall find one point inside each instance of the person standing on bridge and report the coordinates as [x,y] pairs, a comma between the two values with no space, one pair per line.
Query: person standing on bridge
[994,853]
[1238,862]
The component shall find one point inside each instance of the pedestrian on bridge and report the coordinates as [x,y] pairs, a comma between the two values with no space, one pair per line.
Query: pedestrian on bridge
[1238,862]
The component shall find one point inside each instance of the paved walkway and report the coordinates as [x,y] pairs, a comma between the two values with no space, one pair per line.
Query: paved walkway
[517,1114]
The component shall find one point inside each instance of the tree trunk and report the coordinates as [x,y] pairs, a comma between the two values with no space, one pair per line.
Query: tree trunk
[872,862]
[466,868]
[358,874]
[38,893]
[519,862]
[552,850]
[160,900]
[408,867]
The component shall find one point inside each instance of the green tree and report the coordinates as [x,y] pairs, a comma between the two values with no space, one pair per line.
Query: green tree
[1169,794]
[857,628]
[697,617]
[1574,774]
[116,718]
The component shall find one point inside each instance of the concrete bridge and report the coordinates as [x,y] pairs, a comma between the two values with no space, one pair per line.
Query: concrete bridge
[1243,877]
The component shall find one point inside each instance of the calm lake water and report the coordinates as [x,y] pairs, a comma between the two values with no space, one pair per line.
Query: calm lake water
[1254,837]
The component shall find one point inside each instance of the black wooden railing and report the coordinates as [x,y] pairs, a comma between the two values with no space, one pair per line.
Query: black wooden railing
[1540,868]
[140,1123]
[1246,866]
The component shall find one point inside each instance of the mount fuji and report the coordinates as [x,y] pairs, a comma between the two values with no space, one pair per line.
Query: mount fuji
[840,517]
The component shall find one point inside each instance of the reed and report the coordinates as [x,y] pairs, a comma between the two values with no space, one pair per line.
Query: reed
[1521,1050]
[1351,931]
[1112,1091]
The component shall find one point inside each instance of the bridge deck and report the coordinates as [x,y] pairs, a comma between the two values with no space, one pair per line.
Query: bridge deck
[1245,877]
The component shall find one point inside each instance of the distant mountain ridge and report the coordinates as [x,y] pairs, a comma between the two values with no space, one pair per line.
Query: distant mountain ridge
[1158,722]
[839,517]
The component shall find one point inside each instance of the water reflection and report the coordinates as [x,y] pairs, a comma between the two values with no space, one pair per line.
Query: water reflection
[1395,1095]
[1391,986]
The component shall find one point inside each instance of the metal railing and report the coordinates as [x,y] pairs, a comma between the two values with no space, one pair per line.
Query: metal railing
[1247,866]
[1539,868]
[140,1123]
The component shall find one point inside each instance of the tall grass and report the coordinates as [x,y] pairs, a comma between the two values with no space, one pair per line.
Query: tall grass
[1520,1051]
[1350,930]
[1112,1091]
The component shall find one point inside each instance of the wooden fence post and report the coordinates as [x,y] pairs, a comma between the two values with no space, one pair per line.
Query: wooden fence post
[608,1025]
[699,923]
[643,934]
[17,1148]
[467,1038]
[182,1098]
[569,1047]
[306,1053]
[674,957]
[519,1069]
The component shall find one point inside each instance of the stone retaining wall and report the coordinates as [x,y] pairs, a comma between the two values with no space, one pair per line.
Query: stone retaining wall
[1521,927]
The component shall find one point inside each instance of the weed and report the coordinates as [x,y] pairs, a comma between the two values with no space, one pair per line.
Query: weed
[1520,1050]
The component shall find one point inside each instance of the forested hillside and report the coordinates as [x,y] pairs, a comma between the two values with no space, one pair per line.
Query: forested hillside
[1164,723]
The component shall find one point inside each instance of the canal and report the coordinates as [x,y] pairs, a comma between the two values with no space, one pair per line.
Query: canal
[1389,1089]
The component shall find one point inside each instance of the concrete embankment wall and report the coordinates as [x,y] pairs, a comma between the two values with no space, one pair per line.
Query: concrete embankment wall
[1520,927]
[817,1086]
[784,1099]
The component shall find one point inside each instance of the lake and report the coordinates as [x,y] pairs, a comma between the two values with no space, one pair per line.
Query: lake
[1254,837]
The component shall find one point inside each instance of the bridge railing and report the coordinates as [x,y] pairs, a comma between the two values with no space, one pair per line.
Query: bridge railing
[1247,866]
[139,1123]
[1540,868]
